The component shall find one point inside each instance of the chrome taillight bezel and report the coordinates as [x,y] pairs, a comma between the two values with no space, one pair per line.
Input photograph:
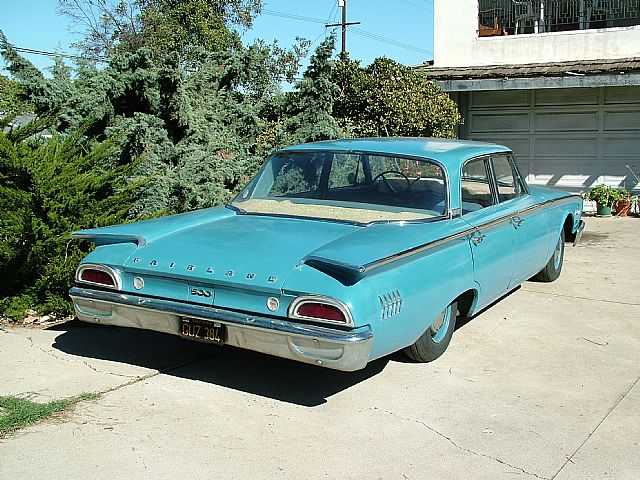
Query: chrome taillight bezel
[298,302]
[113,273]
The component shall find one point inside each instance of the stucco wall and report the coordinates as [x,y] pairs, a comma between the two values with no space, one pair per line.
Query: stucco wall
[456,41]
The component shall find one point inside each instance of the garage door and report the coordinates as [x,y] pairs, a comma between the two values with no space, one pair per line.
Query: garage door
[565,138]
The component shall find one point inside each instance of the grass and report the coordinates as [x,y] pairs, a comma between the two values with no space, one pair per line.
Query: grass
[16,413]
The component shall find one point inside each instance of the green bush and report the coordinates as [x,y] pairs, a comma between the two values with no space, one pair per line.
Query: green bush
[387,99]
[48,189]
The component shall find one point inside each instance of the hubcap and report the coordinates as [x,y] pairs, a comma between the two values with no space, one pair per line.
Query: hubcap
[557,255]
[440,326]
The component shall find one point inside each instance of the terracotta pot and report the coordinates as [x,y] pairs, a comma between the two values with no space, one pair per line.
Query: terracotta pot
[622,207]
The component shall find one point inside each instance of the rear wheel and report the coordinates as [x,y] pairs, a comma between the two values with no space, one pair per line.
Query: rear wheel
[436,339]
[552,269]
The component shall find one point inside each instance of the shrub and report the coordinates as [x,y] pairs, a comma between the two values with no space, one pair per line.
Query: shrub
[48,189]
[389,99]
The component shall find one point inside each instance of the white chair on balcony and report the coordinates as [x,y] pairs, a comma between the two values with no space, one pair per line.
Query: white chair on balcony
[523,13]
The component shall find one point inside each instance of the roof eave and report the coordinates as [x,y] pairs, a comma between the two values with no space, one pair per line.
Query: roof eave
[539,82]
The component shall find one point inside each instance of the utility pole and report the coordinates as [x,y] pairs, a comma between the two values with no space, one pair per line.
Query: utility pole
[343,4]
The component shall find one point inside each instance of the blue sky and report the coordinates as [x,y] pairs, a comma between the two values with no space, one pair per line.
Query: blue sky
[405,25]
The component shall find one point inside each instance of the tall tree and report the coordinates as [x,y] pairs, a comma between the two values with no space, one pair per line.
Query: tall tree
[307,109]
[110,26]
[389,99]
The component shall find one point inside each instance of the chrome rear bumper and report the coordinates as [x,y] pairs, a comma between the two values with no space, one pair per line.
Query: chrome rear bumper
[327,347]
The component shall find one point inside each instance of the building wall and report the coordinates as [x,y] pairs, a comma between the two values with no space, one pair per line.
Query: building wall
[456,41]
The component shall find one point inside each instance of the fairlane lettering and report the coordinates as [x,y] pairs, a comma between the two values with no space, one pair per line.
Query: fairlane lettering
[200,292]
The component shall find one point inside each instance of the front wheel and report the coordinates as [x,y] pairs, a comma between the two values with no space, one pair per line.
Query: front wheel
[552,269]
[436,339]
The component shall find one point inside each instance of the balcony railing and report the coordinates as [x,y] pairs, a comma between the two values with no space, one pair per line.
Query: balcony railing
[513,17]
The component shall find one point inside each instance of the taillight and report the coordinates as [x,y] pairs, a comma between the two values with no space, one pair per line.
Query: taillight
[321,309]
[100,275]
[96,276]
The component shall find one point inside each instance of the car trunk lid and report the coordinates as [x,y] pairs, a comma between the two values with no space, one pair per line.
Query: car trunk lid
[254,252]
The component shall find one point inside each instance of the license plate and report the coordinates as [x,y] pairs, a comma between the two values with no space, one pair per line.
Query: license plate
[204,330]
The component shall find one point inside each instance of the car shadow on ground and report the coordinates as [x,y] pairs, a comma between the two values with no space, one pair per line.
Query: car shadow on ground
[594,239]
[243,370]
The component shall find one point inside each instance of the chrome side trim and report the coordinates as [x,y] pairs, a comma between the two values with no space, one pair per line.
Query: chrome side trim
[114,237]
[421,248]
[225,316]
[298,302]
[426,246]
[546,202]
[414,251]
[113,273]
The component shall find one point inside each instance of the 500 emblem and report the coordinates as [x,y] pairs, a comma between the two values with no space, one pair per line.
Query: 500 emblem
[200,292]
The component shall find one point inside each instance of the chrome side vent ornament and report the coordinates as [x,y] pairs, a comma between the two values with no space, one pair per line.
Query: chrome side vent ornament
[390,304]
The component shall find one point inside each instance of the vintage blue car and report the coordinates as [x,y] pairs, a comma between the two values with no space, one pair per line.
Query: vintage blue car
[337,253]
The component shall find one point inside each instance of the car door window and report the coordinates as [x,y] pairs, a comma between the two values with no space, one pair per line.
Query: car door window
[476,189]
[508,188]
[346,171]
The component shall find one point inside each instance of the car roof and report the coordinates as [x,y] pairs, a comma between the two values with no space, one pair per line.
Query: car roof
[451,153]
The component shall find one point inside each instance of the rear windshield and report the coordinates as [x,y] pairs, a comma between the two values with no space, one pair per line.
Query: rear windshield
[358,187]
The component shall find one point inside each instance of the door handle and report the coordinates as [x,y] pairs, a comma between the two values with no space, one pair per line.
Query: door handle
[477,237]
[517,221]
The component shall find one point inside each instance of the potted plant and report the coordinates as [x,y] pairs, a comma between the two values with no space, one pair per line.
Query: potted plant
[604,196]
[622,206]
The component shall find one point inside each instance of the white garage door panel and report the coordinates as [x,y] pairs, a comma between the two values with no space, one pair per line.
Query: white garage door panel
[621,146]
[560,145]
[622,95]
[500,123]
[566,138]
[566,122]
[566,96]
[574,174]
[505,98]
[621,121]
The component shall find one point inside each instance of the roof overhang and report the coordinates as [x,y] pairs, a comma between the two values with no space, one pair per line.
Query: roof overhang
[530,83]
[574,74]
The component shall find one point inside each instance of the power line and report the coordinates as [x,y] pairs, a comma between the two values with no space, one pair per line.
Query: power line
[428,8]
[333,9]
[302,18]
[56,54]
[357,30]
[390,41]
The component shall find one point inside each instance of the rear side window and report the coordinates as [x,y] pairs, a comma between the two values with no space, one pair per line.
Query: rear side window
[504,178]
[476,189]
[508,186]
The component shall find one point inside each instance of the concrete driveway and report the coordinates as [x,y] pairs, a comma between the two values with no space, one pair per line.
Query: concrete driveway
[542,385]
